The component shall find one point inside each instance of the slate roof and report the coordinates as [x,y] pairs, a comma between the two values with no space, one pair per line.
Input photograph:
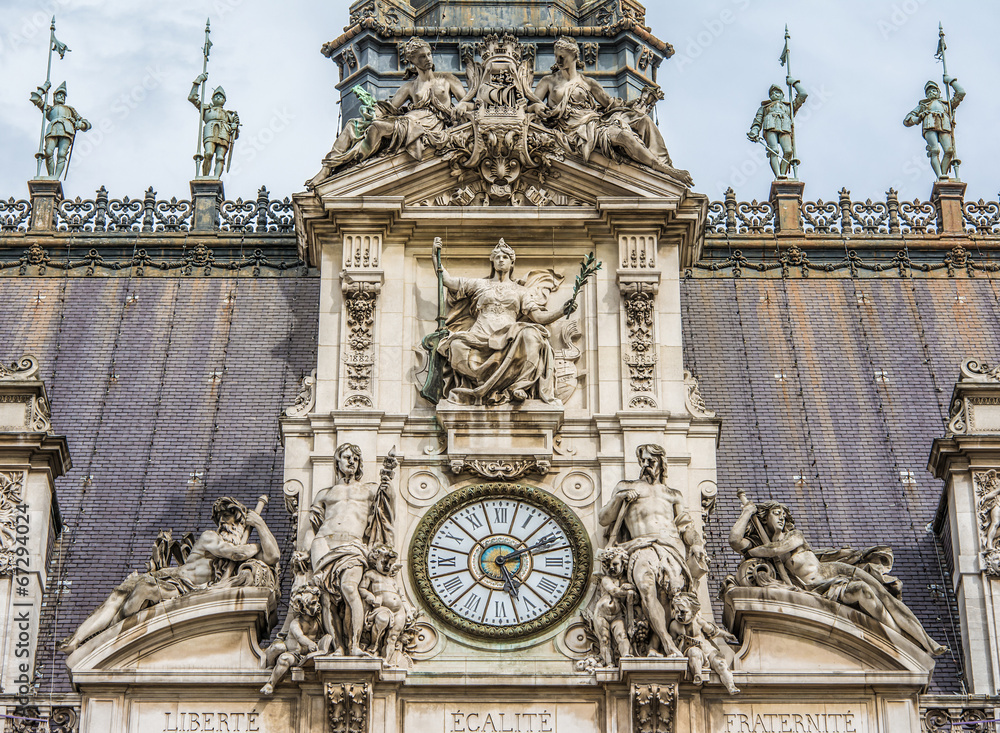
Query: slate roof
[828,419]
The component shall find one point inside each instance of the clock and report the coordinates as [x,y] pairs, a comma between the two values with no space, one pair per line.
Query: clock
[500,560]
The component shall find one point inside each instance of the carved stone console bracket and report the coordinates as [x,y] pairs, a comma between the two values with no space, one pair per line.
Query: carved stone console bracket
[653,708]
[472,443]
[348,707]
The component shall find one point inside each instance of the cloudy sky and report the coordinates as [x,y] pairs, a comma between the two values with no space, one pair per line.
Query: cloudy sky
[863,62]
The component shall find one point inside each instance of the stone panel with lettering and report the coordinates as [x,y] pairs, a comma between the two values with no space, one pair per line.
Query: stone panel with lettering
[500,717]
[216,716]
[818,717]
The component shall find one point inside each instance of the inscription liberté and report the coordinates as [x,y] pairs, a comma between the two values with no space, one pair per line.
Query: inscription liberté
[501,722]
[211,723]
[791,723]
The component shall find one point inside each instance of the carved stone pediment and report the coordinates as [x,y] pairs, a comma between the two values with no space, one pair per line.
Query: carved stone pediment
[803,634]
[430,182]
[220,629]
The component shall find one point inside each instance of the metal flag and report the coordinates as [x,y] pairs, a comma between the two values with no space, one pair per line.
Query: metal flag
[784,53]
[59,47]
[939,54]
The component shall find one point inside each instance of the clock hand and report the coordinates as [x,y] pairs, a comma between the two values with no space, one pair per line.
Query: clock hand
[545,542]
[510,584]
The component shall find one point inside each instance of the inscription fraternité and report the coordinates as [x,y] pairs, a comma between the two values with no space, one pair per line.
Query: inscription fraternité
[789,722]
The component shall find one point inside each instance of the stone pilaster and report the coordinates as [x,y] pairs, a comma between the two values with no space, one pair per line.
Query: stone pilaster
[31,458]
[786,198]
[967,459]
[948,197]
[46,193]
[207,194]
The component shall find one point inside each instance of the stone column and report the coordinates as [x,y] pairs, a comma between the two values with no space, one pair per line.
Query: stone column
[207,194]
[786,198]
[967,459]
[46,193]
[948,197]
[31,458]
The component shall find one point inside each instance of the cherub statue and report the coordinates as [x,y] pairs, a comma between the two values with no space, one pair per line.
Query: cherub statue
[222,127]
[936,118]
[306,637]
[64,122]
[772,125]
[614,606]
[696,639]
[389,609]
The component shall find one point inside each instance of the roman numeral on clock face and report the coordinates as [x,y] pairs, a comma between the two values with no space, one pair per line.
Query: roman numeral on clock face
[447,562]
[548,586]
[452,585]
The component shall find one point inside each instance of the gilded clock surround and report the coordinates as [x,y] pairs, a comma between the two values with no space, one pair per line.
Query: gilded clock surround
[571,525]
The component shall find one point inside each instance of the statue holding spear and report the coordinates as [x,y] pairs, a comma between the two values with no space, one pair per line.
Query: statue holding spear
[218,128]
[774,124]
[55,144]
[936,116]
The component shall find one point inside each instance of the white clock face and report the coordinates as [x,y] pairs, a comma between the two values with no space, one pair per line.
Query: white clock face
[501,559]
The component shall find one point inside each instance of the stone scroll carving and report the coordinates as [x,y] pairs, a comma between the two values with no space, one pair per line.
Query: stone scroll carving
[693,400]
[348,707]
[988,509]
[11,486]
[500,136]
[777,554]
[220,558]
[500,468]
[347,597]
[975,408]
[305,401]
[24,368]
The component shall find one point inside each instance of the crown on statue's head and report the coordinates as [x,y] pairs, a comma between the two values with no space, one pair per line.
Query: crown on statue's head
[497,46]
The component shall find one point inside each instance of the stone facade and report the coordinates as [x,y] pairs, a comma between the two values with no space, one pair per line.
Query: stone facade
[285,348]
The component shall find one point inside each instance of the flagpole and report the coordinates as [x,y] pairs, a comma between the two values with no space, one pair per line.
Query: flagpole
[955,162]
[787,63]
[40,156]
[198,156]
